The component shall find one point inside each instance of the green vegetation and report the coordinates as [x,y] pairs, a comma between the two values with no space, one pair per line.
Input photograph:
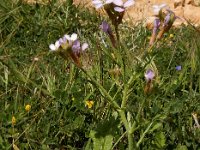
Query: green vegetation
[50,103]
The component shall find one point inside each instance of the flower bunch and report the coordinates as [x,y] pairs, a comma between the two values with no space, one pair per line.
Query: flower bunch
[69,45]
[114,8]
[163,21]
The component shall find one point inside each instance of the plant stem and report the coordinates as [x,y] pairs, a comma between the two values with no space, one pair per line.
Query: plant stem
[102,90]
[129,134]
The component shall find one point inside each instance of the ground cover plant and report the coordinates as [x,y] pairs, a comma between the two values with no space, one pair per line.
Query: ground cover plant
[73,79]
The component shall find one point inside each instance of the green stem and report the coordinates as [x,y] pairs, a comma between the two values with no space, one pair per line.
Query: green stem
[102,90]
[143,135]
[126,125]
[125,92]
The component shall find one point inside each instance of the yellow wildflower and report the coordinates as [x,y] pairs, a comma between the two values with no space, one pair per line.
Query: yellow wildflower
[89,103]
[13,120]
[171,36]
[28,108]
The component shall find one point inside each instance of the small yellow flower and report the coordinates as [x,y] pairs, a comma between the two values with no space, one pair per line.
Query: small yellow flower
[28,108]
[89,103]
[13,120]
[171,36]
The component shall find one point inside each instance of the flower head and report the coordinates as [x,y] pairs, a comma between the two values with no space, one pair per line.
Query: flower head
[149,75]
[178,68]
[119,4]
[89,103]
[105,27]
[69,46]
[77,48]
[13,120]
[28,107]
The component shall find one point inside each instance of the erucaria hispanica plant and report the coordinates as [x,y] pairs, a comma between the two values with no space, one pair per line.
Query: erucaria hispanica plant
[162,23]
[70,47]
[67,47]
[115,10]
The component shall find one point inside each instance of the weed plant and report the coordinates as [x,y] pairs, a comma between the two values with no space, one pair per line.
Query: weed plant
[50,103]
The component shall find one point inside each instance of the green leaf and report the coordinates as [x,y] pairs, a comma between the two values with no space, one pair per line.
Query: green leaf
[101,143]
[160,140]
[156,126]
[181,147]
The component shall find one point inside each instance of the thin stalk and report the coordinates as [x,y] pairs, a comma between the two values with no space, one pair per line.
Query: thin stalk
[126,125]
[102,90]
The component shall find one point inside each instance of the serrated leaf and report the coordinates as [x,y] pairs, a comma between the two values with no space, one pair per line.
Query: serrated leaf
[160,140]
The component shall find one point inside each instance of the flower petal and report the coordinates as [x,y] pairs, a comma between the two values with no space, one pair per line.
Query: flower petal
[76,46]
[149,75]
[129,3]
[95,2]
[84,46]
[97,6]
[119,9]
[57,44]
[67,37]
[74,37]
[52,47]
[178,68]
[108,1]
[118,2]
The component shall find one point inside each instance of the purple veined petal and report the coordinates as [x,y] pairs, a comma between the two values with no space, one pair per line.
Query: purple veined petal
[149,75]
[67,37]
[74,37]
[118,2]
[105,27]
[61,41]
[52,47]
[76,46]
[64,39]
[167,19]
[108,1]
[129,3]
[119,9]
[157,23]
[84,46]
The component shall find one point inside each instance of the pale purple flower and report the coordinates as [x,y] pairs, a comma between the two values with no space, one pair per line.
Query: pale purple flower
[158,8]
[105,27]
[71,38]
[120,5]
[149,75]
[77,48]
[178,68]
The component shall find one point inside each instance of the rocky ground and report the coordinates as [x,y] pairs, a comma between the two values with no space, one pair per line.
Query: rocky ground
[142,10]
